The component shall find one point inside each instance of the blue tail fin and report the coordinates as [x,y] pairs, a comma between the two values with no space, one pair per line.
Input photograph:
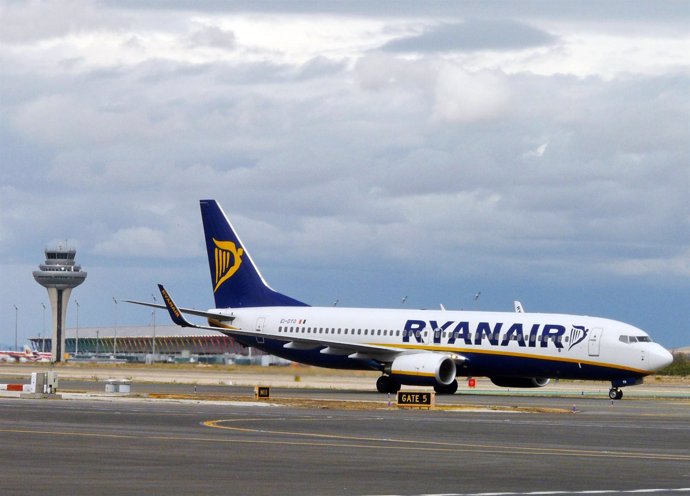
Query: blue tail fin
[236,280]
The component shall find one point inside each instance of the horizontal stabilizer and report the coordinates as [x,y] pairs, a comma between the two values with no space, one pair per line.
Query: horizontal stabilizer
[190,311]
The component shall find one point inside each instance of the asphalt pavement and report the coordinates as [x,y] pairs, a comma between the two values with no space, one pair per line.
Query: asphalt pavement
[92,443]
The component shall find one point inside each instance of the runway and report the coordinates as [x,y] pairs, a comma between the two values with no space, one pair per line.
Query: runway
[133,446]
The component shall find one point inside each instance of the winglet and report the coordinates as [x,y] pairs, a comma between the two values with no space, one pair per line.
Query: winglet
[174,312]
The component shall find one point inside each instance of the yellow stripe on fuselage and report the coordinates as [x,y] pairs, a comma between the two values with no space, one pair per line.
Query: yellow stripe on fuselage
[460,351]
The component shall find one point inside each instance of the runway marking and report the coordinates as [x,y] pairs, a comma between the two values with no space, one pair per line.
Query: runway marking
[424,446]
[439,445]
[549,493]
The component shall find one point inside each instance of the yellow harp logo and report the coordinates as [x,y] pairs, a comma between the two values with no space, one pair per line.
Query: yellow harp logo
[228,259]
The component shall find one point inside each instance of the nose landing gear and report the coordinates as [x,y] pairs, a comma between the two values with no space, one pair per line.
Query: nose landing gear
[615,393]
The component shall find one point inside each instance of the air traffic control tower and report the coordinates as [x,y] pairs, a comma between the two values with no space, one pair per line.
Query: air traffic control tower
[59,274]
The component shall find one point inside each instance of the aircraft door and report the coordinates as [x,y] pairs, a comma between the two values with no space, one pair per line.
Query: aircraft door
[260,328]
[595,341]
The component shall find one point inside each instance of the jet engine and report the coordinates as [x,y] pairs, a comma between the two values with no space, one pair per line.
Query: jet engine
[423,369]
[520,382]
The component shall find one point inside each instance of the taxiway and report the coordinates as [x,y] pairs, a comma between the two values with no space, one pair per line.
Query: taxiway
[124,445]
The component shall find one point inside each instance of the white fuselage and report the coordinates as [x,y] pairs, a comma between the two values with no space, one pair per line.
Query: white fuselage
[550,345]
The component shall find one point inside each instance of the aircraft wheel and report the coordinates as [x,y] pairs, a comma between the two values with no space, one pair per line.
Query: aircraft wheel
[446,389]
[386,384]
[382,384]
[615,393]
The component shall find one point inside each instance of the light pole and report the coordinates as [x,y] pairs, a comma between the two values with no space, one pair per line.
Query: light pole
[76,341]
[153,340]
[16,326]
[44,325]
[115,331]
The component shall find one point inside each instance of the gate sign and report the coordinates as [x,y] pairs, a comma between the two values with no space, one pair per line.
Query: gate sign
[419,399]
[262,392]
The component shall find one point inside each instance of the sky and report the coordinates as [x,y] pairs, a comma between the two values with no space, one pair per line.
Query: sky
[365,151]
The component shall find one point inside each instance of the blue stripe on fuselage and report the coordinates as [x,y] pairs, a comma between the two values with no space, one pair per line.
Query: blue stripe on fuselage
[476,364]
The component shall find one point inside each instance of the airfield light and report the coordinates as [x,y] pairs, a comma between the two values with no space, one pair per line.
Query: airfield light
[115,329]
[16,326]
[76,341]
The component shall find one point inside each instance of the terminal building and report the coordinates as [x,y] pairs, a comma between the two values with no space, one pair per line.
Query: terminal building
[145,343]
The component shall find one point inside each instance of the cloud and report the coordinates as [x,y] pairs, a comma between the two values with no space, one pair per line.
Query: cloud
[537,152]
[471,35]
[673,265]
[463,97]
[37,20]
[134,241]
[449,156]
[213,36]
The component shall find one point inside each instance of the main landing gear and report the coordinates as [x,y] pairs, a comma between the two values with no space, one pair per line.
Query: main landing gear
[615,393]
[446,388]
[386,384]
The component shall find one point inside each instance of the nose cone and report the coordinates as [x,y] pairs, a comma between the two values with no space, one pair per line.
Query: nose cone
[659,358]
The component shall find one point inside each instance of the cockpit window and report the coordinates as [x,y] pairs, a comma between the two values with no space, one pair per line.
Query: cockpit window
[635,339]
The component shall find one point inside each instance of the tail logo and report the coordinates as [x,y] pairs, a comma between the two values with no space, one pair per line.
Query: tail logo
[228,259]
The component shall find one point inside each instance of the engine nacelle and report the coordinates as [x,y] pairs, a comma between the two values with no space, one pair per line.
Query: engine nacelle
[423,369]
[520,382]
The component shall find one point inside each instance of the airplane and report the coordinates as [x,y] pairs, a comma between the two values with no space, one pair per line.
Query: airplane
[27,355]
[412,347]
